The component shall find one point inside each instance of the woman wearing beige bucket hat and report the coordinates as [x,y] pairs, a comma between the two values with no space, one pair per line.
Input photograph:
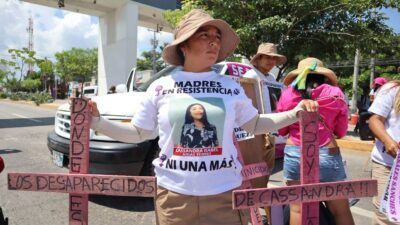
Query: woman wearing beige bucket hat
[195,183]
[311,80]
[269,50]
[263,62]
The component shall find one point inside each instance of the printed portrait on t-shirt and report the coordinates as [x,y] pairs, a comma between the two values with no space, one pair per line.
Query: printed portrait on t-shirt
[197,126]
[197,131]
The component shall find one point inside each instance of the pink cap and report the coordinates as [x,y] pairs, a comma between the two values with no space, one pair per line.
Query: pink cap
[379,81]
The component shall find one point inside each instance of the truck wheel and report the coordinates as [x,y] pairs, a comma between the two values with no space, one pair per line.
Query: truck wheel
[148,167]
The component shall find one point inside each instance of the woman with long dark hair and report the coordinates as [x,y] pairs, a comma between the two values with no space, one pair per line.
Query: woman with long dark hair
[197,132]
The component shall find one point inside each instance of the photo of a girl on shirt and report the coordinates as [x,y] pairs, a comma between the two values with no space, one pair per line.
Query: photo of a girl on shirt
[197,132]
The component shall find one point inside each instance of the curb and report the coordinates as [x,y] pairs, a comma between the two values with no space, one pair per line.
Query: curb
[355,145]
[53,106]
[345,143]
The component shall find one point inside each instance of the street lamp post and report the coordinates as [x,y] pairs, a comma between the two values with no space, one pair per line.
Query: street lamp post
[154,42]
[353,107]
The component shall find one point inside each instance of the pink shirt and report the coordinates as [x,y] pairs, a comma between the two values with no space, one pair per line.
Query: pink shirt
[332,107]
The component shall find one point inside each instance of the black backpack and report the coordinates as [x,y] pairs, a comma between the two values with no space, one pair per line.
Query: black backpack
[3,221]
[364,131]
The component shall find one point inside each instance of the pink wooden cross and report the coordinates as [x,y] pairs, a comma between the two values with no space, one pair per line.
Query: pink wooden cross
[78,183]
[310,192]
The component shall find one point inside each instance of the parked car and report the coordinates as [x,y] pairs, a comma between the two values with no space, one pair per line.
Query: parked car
[108,156]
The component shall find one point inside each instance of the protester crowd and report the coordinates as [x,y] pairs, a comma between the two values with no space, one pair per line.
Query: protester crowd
[203,120]
[207,119]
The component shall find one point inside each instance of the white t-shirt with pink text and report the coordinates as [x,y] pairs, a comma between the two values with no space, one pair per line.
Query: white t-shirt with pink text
[195,114]
[383,105]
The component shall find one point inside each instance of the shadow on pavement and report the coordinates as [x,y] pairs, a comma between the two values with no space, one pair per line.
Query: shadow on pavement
[31,122]
[135,204]
[9,151]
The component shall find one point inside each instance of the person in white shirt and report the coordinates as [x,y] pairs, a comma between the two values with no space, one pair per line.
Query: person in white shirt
[267,57]
[385,124]
[194,185]
[263,62]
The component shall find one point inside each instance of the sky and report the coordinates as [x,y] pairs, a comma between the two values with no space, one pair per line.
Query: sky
[57,30]
[394,19]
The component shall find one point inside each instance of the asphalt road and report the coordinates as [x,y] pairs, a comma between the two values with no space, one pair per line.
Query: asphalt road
[359,167]
[23,131]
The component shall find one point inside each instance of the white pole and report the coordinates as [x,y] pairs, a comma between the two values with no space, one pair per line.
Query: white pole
[353,106]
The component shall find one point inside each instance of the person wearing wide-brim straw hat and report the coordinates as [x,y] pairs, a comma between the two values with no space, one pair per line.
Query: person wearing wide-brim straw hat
[195,184]
[320,69]
[270,50]
[312,80]
[263,62]
[189,25]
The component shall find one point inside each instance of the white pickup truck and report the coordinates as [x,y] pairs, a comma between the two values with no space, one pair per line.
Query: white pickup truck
[108,156]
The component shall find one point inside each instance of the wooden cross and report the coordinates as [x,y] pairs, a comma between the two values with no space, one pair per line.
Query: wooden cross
[310,191]
[78,183]
[250,151]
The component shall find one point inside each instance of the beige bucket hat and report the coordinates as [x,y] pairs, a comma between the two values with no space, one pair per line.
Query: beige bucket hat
[320,69]
[189,24]
[268,49]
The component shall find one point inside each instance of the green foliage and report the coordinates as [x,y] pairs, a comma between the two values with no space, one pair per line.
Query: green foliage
[174,16]
[40,98]
[11,83]
[76,64]
[389,71]
[234,58]
[14,97]
[329,30]
[31,84]
[3,75]
[146,61]
[37,98]
[20,59]
[46,69]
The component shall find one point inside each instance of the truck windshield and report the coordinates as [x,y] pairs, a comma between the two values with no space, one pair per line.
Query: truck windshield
[166,71]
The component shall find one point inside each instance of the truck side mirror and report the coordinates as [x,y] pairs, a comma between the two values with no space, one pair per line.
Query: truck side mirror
[121,88]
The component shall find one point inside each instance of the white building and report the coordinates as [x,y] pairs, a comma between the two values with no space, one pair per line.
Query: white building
[118,22]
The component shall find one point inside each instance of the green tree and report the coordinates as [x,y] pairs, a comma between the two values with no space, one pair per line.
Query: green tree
[17,65]
[46,73]
[386,64]
[20,59]
[11,83]
[330,30]
[9,80]
[3,75]
[31,84]
[146,60]
[76,64]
